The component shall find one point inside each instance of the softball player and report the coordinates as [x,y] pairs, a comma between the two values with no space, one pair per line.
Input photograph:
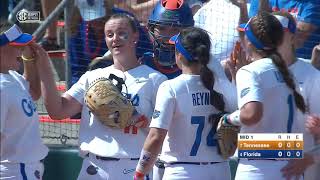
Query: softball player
[267,94]
[21,145]
[180,120]
[161,28]
[308,79]
[110,153]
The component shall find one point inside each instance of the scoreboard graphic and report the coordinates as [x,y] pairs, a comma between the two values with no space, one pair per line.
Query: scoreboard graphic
[270,146]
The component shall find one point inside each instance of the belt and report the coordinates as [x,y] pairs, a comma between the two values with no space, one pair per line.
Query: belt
[111,158]
[193,163]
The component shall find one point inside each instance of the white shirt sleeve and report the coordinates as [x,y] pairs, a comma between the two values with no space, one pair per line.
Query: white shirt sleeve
[156,82]
[164,108]
[78,90]
[4,107]
[311,93]
[229,92]
[248,87]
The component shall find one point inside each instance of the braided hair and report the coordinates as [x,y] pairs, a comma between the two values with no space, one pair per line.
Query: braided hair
[269,31]
[197,42]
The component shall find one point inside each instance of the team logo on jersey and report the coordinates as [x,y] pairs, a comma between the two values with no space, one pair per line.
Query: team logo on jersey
[28,107]
[244,92]
[141,80]
[37,174]
[155,114]
[127,171]
[91,170]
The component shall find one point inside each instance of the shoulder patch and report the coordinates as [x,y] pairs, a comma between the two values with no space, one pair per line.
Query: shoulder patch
[156,114]
[244,92]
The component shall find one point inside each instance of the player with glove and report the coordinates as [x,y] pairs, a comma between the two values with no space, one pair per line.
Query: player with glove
[180,123]
[267,93]
[116,104]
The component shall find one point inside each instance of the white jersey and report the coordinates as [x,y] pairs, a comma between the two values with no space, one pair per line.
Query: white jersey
[182,108]
[20,135]
[308,78]
[142,84]
[261,81]
[220,18]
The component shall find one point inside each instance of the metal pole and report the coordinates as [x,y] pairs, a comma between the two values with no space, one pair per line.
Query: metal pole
[67,18]
[53,15]
[12,15]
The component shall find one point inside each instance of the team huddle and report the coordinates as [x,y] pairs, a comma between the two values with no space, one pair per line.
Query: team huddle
[162,116]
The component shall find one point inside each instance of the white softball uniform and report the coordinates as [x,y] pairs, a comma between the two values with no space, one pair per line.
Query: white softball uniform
[308,78]
[261,81]
[182,108]
[220,18]
[98,140]
[21,144]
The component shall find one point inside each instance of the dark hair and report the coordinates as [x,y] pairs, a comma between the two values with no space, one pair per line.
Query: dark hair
[269,31]
[197,42]
[132,21]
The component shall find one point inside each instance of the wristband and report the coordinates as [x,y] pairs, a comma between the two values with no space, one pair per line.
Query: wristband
[138,175]
[27,59]
[146,162]
[234,118]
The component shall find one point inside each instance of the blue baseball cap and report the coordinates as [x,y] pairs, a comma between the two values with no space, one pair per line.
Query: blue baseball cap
[179,47]
[15,37]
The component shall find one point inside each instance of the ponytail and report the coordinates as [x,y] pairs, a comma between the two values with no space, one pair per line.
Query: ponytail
[207,78]
[287,77]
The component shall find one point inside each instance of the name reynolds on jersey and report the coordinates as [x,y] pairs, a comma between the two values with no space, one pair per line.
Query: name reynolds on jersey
[201,98]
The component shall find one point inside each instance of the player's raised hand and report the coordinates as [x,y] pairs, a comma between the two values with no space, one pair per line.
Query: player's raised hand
[28,53]
[313,125]
[39,51]
[238,58]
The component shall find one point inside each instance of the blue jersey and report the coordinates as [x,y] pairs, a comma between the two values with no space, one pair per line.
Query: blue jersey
[86,45]
[305,11]
[170,71]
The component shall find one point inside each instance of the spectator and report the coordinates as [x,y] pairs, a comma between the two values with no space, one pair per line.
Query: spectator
[307,15]
[49,41]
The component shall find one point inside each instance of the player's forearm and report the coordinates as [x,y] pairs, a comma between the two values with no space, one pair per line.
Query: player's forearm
[151,149]
[32,76]
[243,16]
[52,98]
[149,5]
